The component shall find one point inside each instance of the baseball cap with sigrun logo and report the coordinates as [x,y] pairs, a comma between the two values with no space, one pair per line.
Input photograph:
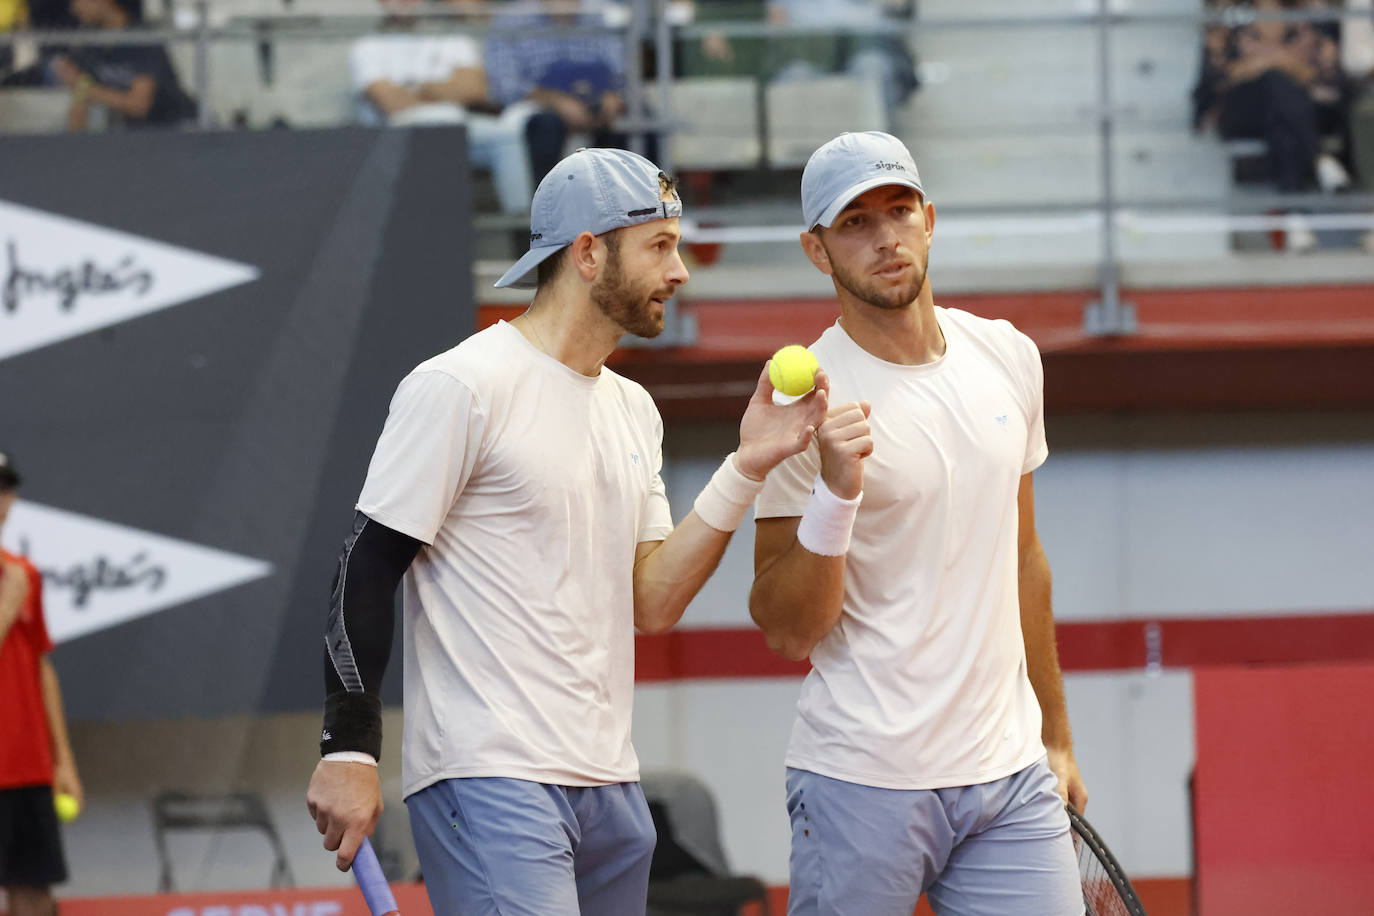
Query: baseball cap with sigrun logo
[592,190]
[9,477]
[848,166]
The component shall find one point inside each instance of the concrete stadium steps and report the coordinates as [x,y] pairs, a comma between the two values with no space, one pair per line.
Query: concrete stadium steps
[309,84]
[1008,169]
[231,9]
[1031,76]
[993,9]
[34,110]
[1003,78]
[720,123]
[1026,171]
[803,114]
[1154,68]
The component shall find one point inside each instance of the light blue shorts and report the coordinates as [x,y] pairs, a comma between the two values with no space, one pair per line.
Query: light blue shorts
[510,847]
[996,849]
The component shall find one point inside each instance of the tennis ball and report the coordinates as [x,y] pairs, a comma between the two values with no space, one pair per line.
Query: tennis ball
[67,807]
[793,370]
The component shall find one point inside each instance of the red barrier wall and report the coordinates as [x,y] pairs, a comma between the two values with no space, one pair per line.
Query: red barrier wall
[1284,798]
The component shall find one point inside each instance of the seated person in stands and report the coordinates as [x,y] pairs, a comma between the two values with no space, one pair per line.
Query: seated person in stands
[135,82]
[407,77]
[1332,91]
[1281,83]
[404,76]
[570,66]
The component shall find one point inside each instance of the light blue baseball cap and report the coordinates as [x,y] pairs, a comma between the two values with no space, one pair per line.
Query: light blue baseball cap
[592,190]
[848,166]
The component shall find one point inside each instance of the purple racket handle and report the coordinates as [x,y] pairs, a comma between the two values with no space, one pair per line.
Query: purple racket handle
[376,891]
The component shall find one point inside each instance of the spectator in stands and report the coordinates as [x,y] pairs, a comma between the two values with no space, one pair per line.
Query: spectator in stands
[571,65]
[35,755]
[1279,82]
[1318,44]
[135,82]
[407,77]
[861,38]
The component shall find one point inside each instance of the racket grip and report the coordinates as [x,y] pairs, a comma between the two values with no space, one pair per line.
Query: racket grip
[376,891]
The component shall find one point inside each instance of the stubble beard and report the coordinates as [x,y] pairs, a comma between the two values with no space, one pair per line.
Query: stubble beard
[867,289]
[624,302]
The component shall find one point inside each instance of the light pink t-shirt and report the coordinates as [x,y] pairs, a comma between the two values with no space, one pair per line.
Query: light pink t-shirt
[532,485]
[922,684]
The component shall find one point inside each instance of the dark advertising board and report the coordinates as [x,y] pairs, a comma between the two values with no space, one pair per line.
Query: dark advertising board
[199,337]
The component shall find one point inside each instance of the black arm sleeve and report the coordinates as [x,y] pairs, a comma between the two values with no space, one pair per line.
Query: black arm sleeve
[362,613]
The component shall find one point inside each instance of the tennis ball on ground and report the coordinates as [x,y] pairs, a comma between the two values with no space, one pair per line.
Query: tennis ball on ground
[67,807]
[793,370]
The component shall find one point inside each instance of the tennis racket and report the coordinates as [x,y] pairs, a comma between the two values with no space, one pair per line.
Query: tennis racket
[1106,889]
[376,891]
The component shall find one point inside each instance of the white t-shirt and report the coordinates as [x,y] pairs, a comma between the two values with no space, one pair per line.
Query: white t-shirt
[922,684]
[408,60]
[532,485]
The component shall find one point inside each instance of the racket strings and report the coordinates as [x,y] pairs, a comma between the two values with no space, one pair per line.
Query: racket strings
[1106,889]
[1100,895]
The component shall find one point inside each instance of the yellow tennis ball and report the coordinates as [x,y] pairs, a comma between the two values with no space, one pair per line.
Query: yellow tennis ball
[793,370]
[67,807]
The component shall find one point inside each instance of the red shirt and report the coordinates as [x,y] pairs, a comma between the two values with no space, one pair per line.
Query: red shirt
[25,743]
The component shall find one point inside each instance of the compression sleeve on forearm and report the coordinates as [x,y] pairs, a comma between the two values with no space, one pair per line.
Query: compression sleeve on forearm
[362,613]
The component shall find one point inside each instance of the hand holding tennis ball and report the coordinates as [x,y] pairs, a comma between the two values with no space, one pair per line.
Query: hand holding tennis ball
[792,370]
[68,808]
[772,430]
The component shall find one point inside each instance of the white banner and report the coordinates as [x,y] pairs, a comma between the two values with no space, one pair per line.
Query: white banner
[63,277]
[97,574]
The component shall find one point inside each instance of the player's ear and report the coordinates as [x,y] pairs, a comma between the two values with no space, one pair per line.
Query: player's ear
[815,251]
[587,254]
[930,220]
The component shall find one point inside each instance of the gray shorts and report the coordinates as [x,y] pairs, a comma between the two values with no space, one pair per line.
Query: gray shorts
[510,847]
[995,849]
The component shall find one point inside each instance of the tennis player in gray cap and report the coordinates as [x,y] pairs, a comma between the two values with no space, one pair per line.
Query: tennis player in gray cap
[516,489]
[931,751]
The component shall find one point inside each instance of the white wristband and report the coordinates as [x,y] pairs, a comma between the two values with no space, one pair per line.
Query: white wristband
[827,522]
[723,501]
[350,757]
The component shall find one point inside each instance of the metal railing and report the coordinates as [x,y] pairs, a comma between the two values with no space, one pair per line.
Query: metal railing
[661,25]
